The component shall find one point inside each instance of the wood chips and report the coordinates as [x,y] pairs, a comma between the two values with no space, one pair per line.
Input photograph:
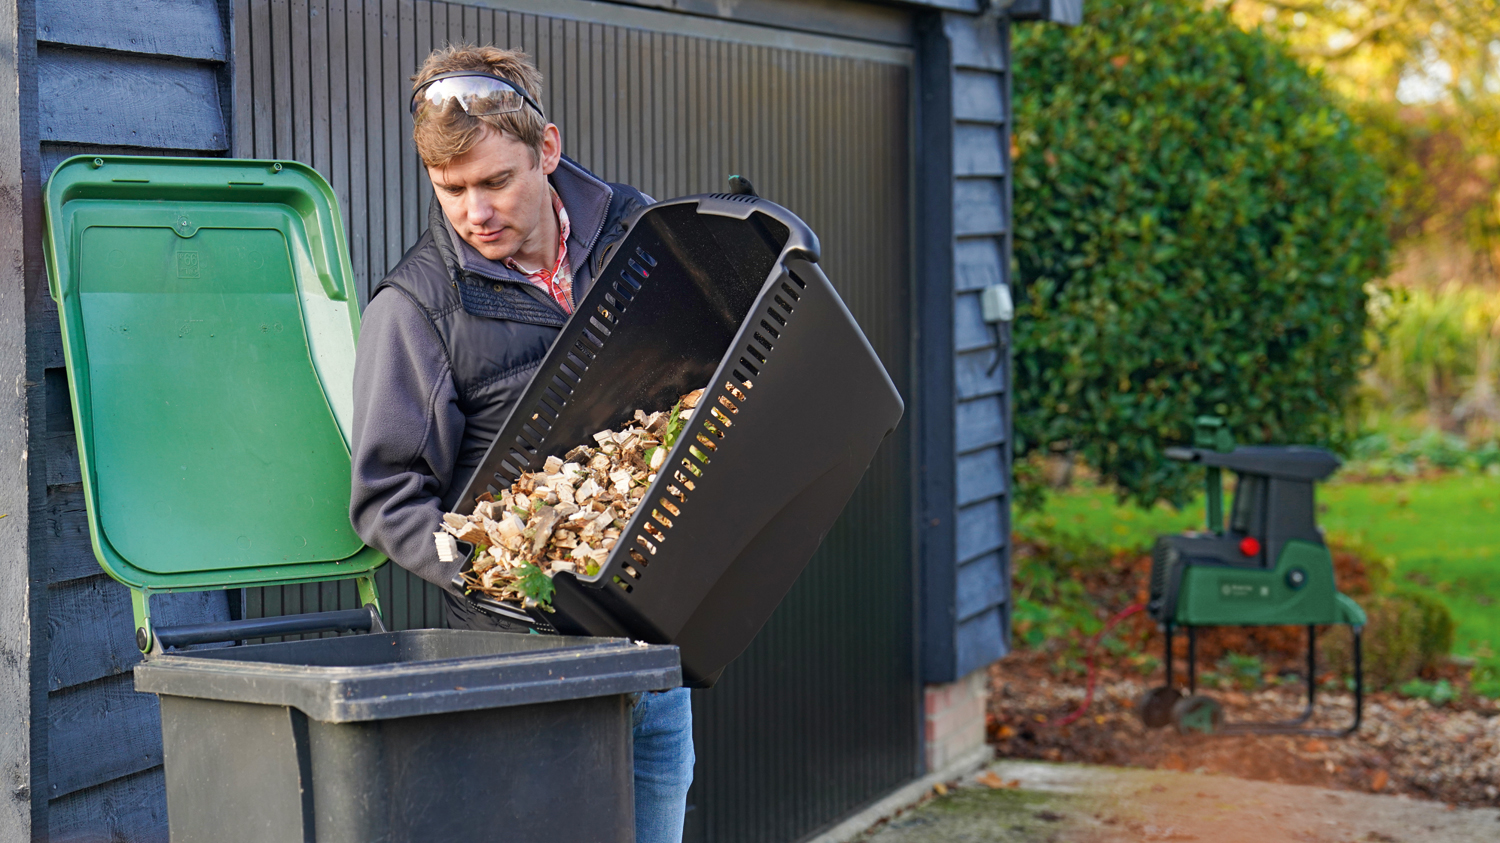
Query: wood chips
[566,517]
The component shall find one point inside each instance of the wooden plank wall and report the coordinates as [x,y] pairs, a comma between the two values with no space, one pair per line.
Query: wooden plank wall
[136,77]
[981,215]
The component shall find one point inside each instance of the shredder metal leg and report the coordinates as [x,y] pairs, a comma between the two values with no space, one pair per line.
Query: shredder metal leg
[1312,666]
[1192,659]
[1169,654]
[1294,726]
[1359,678]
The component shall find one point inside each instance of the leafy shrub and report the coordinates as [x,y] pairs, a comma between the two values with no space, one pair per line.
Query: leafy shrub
[1050,602]
[1195,227]
[1438,351]
[1440,692]
[1408,634]
[1385,453]
[1241,670]
[1435,627]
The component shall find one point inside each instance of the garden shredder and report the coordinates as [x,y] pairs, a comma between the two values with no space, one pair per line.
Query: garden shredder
[1269,566]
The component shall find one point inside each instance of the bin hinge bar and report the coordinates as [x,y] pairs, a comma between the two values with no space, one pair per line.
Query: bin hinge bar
[140,607]
[367,594]
[348,620]
[149,639]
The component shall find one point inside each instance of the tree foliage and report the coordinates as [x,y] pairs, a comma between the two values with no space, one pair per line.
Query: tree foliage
[1424,76]
[1195,226]
[1372,47]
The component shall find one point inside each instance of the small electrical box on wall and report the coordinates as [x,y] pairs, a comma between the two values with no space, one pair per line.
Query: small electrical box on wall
[995,304]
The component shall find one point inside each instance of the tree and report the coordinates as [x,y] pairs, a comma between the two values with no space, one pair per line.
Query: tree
[1195,226]
[1424,77]
[1372,48]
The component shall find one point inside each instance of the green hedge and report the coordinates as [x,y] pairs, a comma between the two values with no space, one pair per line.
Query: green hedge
[1194,229]
[1409,634]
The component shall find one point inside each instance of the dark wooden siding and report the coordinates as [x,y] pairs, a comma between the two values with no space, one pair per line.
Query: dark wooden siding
[139,78]
[820,715]
[981,140]
[966,361]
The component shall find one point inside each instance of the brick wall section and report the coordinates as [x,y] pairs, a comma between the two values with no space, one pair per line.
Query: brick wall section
[953,718]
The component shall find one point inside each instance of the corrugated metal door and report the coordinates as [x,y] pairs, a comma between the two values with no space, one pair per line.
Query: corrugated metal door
[820,716]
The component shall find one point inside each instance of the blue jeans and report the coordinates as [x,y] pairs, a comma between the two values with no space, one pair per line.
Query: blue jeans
[663,728]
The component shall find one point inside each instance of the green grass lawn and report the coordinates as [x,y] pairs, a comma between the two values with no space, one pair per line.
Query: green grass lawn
[1444,535]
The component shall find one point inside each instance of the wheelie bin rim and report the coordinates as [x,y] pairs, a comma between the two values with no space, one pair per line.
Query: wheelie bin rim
[528,670]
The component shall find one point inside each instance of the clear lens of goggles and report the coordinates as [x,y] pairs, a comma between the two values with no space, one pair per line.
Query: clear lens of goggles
[477,95]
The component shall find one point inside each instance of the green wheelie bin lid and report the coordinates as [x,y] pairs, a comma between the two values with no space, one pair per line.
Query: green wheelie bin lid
[209,324]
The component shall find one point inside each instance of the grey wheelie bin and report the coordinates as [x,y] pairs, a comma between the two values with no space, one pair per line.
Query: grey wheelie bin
[432,734]
[209,329]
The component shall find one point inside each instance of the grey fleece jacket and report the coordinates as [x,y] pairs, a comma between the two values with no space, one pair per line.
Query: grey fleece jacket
[447,345]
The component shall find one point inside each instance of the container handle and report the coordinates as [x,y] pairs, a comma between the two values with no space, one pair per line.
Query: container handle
[366,619]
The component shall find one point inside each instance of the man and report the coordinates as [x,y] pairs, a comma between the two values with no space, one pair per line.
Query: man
[451,338]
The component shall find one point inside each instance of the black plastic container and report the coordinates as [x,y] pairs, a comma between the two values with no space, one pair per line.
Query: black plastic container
[722,292]
[450,735]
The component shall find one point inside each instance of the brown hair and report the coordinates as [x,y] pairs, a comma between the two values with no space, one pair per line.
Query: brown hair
[442,136]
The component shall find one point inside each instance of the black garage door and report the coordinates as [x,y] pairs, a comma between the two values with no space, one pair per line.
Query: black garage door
[821,714]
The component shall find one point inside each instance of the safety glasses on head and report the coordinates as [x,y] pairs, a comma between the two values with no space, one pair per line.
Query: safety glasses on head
[478,93]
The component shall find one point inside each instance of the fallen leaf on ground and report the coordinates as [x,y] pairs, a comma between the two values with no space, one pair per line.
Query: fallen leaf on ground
[1379,781]
[994,782]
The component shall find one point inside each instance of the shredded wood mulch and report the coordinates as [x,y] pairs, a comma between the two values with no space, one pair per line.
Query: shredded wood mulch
[566,517]
[1449,753]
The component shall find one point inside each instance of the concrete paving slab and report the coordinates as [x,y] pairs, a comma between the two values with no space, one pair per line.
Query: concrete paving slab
[1071,803]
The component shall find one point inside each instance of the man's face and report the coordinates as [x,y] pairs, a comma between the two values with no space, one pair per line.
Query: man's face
[495,195]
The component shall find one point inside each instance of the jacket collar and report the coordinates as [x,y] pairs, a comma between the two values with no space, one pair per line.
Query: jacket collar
[585,196]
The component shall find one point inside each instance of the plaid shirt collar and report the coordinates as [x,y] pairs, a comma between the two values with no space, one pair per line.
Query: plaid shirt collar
[558,281]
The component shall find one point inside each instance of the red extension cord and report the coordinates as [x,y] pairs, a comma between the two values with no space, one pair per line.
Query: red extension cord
[1088,661]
